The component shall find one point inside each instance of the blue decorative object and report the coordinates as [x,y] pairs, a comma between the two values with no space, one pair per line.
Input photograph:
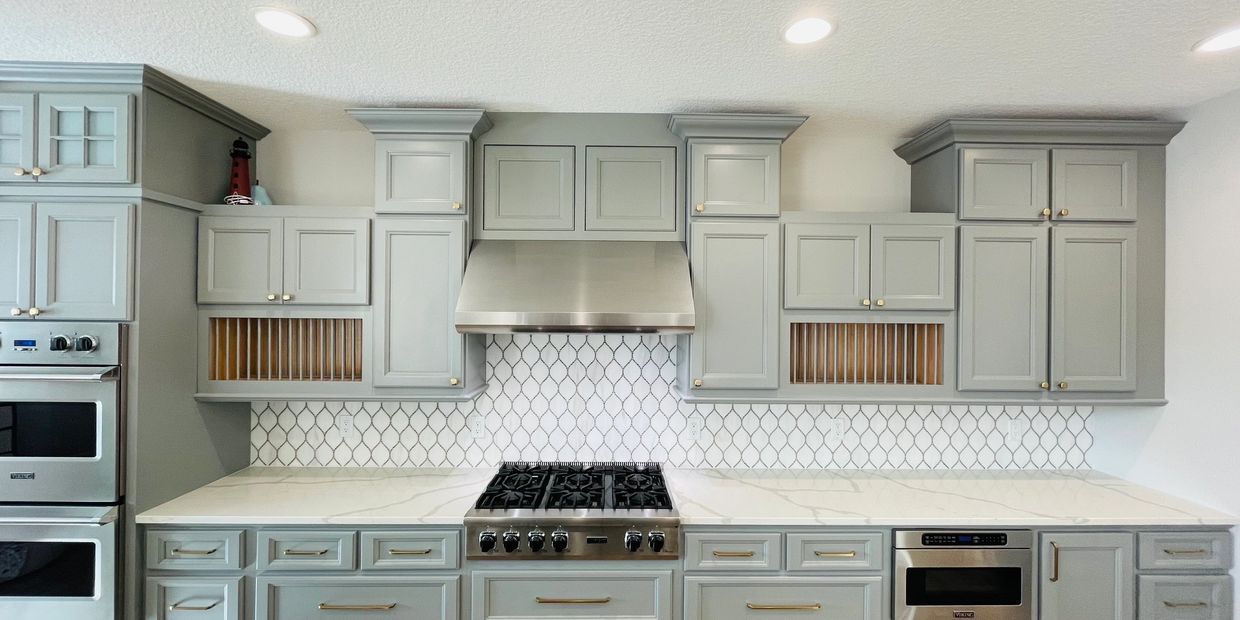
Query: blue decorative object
[261,197]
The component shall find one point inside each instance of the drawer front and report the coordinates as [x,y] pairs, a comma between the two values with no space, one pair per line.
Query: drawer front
[748,552]
[406,598]
[1184,551]
[855,551]
[306,550]
[1168,597]
[631,595]
[193,598]
[194,549]
[410,550]
[780,598]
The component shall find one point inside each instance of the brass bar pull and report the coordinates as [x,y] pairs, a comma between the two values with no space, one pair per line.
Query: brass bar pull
[194,552]
[376,607]
[409,551]
[836,554]
[732,554]
[1174,605]
[299,552]
[1054,562]
[572,601]
[184,607]
[763,607]
[1184,551]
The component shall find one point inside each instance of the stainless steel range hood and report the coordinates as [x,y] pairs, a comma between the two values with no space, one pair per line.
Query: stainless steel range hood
[576,286]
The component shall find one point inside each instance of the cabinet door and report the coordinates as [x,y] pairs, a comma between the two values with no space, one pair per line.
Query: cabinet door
[734,178]
[1094,184]
[15,254]
[194,598]
[528,187]
[326,260]
[1094,309]
[1088,576]
[1003,307]
[83,261]
[16,136]
[913,267]
[85,138]
[827,266]
[420,176]
[1004,184]
[418,269]
[240,260]
[735,269]
[784,598]
[631,188]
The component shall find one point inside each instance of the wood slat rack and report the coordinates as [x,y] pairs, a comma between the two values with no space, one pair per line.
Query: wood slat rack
[285,349]
[866,353]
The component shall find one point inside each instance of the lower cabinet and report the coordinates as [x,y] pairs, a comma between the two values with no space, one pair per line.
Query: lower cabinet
[546,594]
[1176,597]
[1088,576]
[777,598]
[199,598]
[298,598]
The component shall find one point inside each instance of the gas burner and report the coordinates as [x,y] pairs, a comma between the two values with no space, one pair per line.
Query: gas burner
[508,498]
[658,500]
[569,499]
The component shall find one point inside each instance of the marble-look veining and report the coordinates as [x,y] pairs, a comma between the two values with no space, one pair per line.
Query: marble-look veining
[926,499]
[319,495]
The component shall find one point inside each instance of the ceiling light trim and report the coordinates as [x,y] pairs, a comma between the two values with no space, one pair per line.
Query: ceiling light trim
[288,23]
[1230,34]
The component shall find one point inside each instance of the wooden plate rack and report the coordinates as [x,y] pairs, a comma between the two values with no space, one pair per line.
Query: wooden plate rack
[284,349]
[866,353]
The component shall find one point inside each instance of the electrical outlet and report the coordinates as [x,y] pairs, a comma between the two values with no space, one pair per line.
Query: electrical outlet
[344,424]
[477,426]
[837,428]
[1013,430]
[694,430]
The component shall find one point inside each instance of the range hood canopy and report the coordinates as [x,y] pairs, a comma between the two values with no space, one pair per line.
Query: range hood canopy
[576,287]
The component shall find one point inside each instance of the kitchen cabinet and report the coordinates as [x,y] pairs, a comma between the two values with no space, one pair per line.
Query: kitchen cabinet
[528,187]
[734,178]
[16,136]
[297,598]
[1179,597]
[421,176]
[418,269]
[16,276]
[1087,576]
[735,269]
[197,598]
[859,266]
[826,598]
[67,137]
[1004,183]
[1094,184]
[594,595]
[298,260]
[630,188]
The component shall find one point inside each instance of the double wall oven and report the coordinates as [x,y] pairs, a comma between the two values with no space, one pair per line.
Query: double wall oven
[61,483]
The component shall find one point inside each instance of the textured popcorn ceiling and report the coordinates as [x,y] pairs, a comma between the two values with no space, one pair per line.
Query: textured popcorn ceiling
[898,64]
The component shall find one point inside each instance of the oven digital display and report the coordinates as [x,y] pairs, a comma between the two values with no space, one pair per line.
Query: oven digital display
[971,539]
[596,540]
[25,344]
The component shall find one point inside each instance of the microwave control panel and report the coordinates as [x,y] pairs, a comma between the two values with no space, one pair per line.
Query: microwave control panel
[964,539]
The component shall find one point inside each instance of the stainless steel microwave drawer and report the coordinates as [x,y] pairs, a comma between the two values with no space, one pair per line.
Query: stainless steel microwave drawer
[345,598]
[195,549]
[306,550]
[627,595]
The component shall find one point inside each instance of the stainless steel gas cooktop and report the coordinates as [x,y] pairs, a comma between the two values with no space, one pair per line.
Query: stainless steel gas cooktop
[594,511]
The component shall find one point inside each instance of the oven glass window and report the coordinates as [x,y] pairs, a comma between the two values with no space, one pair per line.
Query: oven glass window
[47,569]
[47,430]
[963,586]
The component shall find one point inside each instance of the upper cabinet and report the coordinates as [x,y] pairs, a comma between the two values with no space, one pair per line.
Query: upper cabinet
[421,176]
[1004,183]
[16,136]
[528,188]
[630,188]
[67,137]
[1094,184]
[734,178]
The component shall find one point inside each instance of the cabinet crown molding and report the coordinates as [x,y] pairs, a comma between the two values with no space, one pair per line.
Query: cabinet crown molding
[1038,131]
[466,121]
[756,126]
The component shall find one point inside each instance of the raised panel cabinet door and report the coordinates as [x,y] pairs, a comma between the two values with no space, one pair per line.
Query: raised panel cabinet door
[1094,309]
[631,188]
[240,260]
[1094,184]
[418,268]
[1087,576]
[827,266]
[913,267]
[16,137]
[16,281]
[1003,307]
[420,176]
[528,187]
[326,261]
[1004,183]
[735,267]
[740,178]
[85,138]
[83,261]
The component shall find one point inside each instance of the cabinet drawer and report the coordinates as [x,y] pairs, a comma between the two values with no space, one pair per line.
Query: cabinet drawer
[410,550]
[758,551]
[777,598]
[836,551]
[193,598]
[194,549]
[1183,551]
[631,595]
[306,550]
[302,598]
[1167,597]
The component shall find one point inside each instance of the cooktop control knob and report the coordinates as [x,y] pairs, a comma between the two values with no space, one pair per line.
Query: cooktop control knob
[657,540]
[59,343]
[511,540]
[536,539]
[559,540]
[86,344]
[633,540]
[486,541]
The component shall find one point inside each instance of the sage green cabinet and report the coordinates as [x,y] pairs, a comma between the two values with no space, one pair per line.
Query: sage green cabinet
[326,260]
[1087,576]
[999,183]
[418,269]
[528,187]
[630,188]
[83,261]
[781,598]
[85,138]
[16,275]
[16,136]
[827,266]
[735,268]
[630,594]
[195,598]
[734,178]
[1094,184]
[345,597]
[240,260]
[1184,597]
[421,176]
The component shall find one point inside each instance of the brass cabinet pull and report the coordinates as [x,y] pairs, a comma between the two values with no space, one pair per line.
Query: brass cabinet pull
[1184,551]
[1046,212]
[456,206]
[299,552]
[375,607]
[1063,385]
[409,551]
[700,207]
[1063,213]
[732,554]
[34,312]
[20,172]
[836,554]
[37,172]
[184,607]
[454,381]
[1054,562]
[572,601]
[880,303]
[194,552]
[697,383]
[286,297]
[16,312]
[271,296]
[1046,385]
[764,607]
[865,302]
[1175,605]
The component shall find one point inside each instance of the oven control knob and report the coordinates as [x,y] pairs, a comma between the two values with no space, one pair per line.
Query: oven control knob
[536,538]
[511,541]
[559,540]
[486,541]
[633,540]
[86,344]
[60,343]
[657,540]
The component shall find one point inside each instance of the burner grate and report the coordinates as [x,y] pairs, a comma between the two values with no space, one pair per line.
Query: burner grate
[576,486]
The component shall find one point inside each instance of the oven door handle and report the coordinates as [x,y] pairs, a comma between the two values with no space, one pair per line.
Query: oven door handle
[90,374]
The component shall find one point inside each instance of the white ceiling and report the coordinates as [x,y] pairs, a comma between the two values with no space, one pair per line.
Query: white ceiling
[898,64]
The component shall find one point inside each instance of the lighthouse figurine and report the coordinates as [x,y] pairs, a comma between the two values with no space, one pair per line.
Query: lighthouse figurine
[239,184]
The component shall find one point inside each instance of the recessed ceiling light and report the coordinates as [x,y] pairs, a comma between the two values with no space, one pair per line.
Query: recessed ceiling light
[1225,40]
[285,22]
[807,30]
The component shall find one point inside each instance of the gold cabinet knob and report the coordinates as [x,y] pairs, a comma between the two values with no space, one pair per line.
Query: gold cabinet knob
[866,302]
[1046,212]
[20,172]
[454,381]
[456,206]
[37,171]
[1046,385]
[286,297]
[1063,385]
[34,312]
[697,383]
[16,312]
[699,207]
[271,296]
[1063,213]
[880,303]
